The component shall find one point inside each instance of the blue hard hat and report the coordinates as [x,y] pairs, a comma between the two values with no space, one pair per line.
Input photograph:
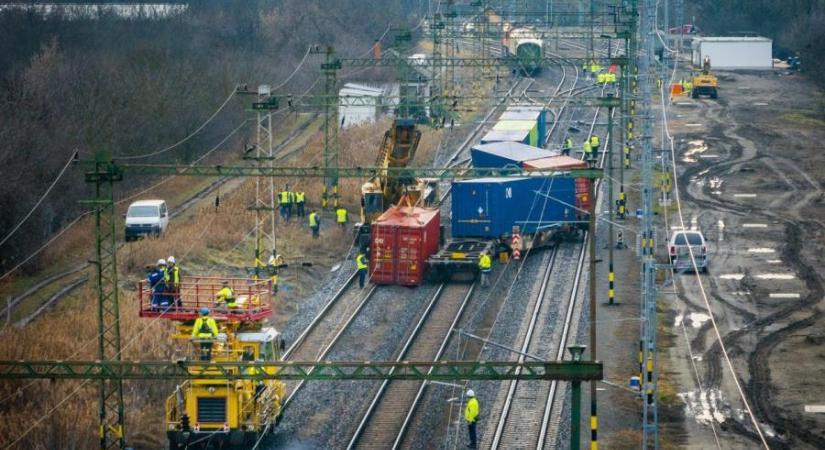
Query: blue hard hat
[204,311]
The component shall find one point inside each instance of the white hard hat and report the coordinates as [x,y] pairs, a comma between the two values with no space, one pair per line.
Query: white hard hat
[171,260]
[470,393]
[161,262]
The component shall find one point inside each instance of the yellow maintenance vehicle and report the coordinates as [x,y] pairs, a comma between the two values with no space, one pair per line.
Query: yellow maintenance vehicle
[705,83]
[212,413]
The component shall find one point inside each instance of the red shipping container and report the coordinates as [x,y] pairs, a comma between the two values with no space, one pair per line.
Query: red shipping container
[401,240]
[566,163]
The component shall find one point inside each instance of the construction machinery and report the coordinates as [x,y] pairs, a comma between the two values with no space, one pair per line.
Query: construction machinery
[705,83]
[225,413]
[380,192]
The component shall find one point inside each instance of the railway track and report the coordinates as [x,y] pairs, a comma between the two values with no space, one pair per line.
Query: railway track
[65,289]
[529,416]
[388,416]
[318,339]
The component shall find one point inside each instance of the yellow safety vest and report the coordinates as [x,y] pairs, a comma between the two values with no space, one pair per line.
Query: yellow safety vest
[471,410]
[205,327]
[165,272]
[568,143]
[360,261]
[341,215]
[313,219]
[594,141]
[284,198]
[226,295]
[175,275]
[299,197]
[587,148]
[484,263]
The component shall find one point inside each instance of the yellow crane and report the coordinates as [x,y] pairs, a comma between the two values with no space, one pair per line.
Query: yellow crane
[397,150]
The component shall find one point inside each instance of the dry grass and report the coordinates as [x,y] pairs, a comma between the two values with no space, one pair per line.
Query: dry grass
[203,239]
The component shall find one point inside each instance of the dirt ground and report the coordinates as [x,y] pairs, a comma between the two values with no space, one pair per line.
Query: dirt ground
[750,177]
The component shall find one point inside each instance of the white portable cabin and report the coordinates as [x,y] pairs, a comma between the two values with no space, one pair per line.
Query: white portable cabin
[734,53]
[359,104]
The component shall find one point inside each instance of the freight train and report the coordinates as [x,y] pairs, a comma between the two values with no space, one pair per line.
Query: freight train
[525,47]
[486,212]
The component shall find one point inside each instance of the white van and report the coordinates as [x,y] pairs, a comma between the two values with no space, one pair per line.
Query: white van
[146,217]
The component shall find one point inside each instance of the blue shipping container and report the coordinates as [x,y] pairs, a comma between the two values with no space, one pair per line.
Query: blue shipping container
[535,113]
[503,154]
[489,207]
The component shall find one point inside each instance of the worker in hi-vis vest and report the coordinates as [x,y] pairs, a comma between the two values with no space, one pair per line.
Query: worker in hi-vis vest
[471,416]
[314,223]
[363,268]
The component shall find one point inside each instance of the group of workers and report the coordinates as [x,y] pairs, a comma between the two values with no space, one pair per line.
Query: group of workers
[291,201]
[341,218]
[590,148]
[164,280]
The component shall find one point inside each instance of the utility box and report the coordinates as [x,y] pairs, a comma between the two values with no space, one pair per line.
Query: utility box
[734,53]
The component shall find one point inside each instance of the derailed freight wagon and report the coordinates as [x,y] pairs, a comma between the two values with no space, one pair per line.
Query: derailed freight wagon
[583,194]
[506,154]
[487,211]
[401,240]
[524,131]
[528,113]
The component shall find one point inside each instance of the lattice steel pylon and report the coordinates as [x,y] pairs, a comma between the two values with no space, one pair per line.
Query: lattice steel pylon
[265,193]
[650,430]
[329,69]
[111,418]
[450,48]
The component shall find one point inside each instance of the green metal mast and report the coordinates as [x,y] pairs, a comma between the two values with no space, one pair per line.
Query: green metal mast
[110,391]
[329,69]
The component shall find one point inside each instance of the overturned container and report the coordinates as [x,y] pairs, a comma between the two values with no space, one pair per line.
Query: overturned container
[506,154]
[529,113]
[562,163]
[524,131]
[401,241]
[491,207]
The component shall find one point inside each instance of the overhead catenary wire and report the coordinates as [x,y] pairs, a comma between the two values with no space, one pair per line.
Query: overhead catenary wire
[190,135]
[40,201]
[700,284]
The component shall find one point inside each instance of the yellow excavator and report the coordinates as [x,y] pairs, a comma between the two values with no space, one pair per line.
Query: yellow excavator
[705,83]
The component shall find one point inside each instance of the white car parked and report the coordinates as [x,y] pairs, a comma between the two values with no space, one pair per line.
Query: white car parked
[146,217]
[682,243]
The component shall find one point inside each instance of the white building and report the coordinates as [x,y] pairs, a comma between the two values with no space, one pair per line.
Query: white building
[361,103]
[732,53]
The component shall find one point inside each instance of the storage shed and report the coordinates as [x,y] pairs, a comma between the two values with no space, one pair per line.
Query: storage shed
[732,53]
[364,103]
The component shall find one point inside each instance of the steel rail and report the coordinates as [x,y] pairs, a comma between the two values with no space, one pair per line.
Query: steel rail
[528,338]
[327,348]
[411,341]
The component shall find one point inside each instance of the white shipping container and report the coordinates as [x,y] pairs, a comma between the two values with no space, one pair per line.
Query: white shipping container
[732,53]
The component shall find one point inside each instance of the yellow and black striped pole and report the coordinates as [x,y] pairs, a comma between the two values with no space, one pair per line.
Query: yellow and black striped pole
[611,291]
[594,427]
[641,358]
[649,393]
